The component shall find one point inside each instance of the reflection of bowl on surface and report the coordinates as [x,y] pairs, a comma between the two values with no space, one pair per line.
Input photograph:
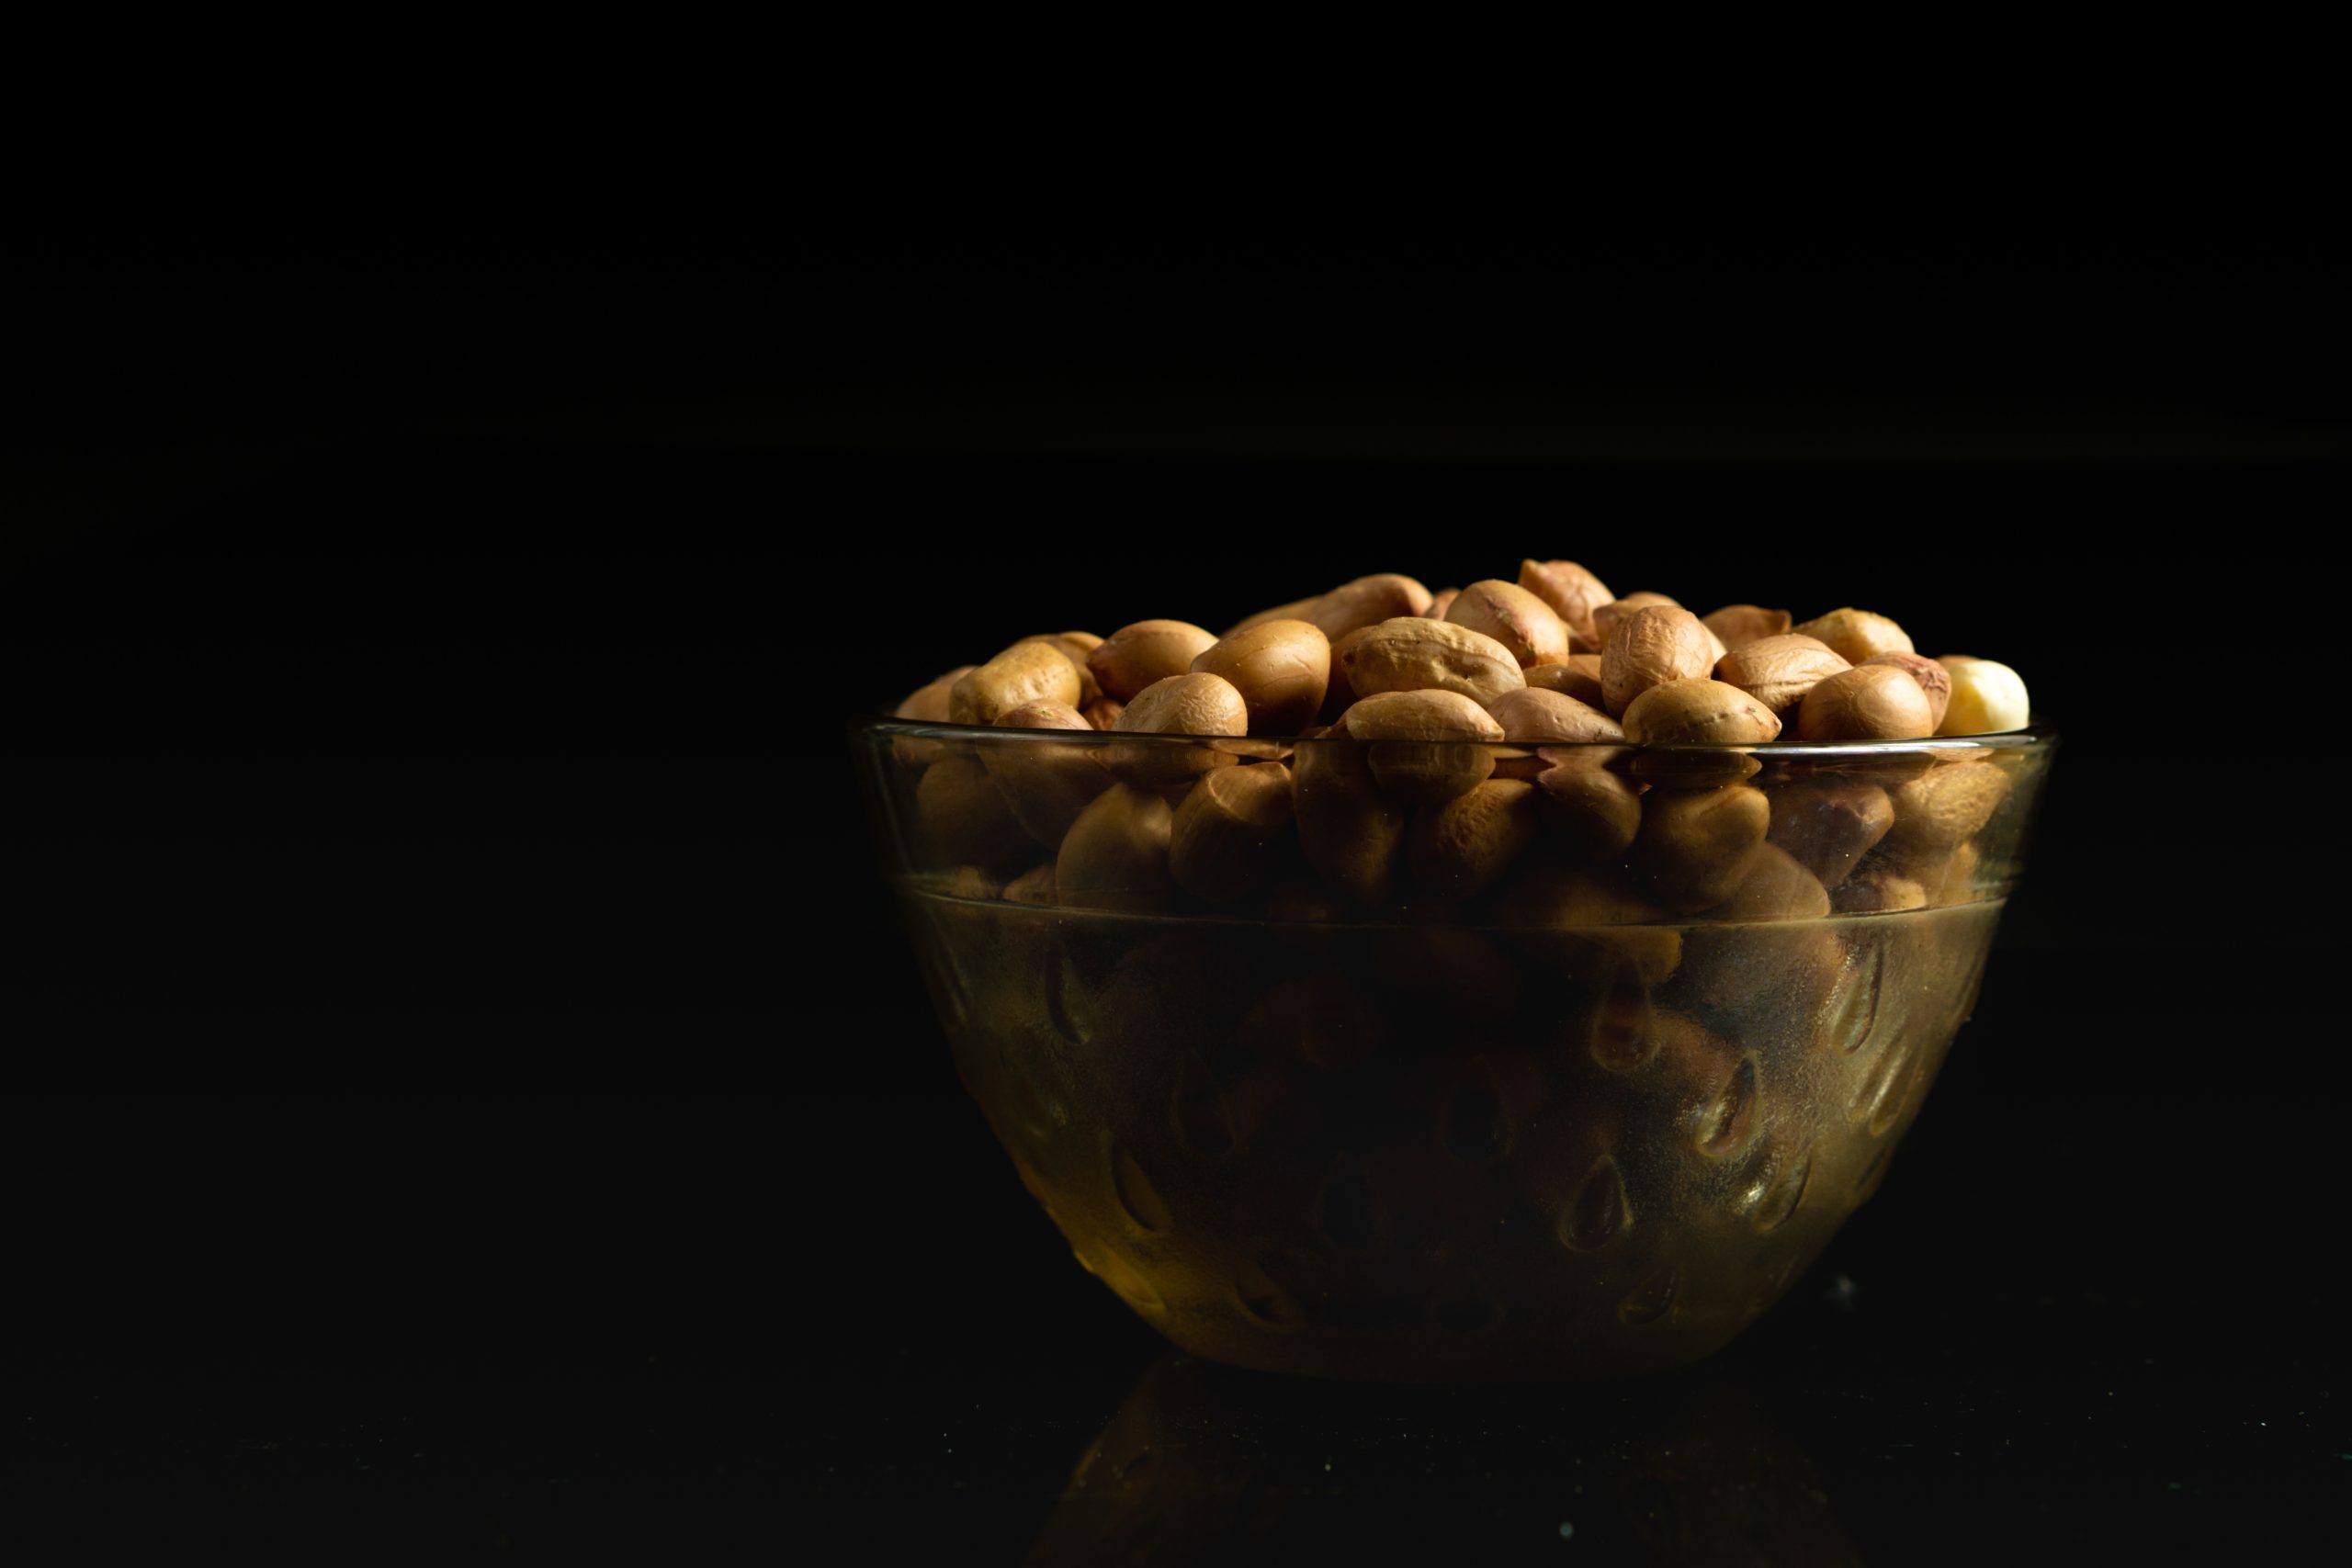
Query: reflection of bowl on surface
[1206,1464]
[1551,1128]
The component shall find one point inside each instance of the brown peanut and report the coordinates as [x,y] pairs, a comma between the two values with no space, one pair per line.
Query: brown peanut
[966,817]
[1608,617]
[1295,610]
[1696,847]
[1649,646]
[1222,841]
[1412,653]
[972,882]
[926,704]
[1534,717]
[1878,889]
[1457,850]
[1579,677]
[1429,746]
[1135,656]
[1116,856]
[1935,813]
[1280,668]
[1736,626]
[1775,888]
[1869,702]
[1779,671]
[1078,649]
[1596,812]
[1828,825]
[1339,697]
[1196,704]
[1515,618]
[1366,602]
[1574,593]
[1419,715]
[1035,886]
[1026,672]
[1857,636]
[1181,705]
[1349,828]
[1933,678]
[1698,712]
[1046,786]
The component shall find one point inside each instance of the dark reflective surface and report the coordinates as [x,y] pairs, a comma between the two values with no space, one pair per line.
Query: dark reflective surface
[1204,1464]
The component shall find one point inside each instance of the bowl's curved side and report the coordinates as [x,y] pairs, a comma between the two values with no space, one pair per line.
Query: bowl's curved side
[1448,1153]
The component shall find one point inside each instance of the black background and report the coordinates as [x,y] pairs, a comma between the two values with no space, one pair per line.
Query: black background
[468,1087]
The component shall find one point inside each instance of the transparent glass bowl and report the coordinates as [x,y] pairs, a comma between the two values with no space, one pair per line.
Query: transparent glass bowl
[1448,1060]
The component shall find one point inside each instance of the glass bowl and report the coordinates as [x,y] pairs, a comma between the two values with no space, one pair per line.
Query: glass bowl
[1436,1061]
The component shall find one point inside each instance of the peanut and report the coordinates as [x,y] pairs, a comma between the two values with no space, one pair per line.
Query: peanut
[1035,886]
[1828,824]
[1779,671]
[1696,847]
[927,705]
[1135,656]
[1595,811]
[1046,786]
[1607,618]
[1857,636]
[1736,626]
[1221,842]
[1116,856]
[1366,602]
[1935,813]
[1534,717]
[1775,888]
[1579,677]
[1869,702]
[1574,593]
[1349,828]
[1419,715]
[1878,889]
[1513,616]
[1458,848]
[1280,668]
[1078,649]
[1649,647]
[1411,653]
[1986,698]
[1026,672]
[1933,678]
[1429,743]
[1181,705]
[966,817]
[1293,611]
[1698,712]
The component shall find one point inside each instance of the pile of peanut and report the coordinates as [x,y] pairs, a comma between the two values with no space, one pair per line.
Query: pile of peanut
[1493,716]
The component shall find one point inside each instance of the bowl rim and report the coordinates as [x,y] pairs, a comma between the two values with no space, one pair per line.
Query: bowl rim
[2036,733]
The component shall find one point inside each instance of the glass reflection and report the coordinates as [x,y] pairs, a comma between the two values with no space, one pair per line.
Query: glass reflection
[1204,1463]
